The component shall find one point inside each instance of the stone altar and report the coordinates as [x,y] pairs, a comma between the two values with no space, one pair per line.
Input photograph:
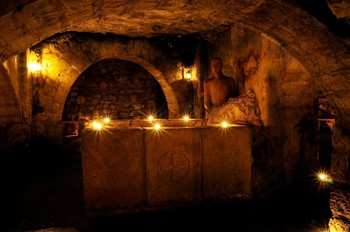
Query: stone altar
[130,167]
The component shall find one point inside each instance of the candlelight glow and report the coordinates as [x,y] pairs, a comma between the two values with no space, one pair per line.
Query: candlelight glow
[323,177]
[157,126]
[106,119]
[96,125]
[224,124]
[186,118]
[150,118]
[34,67]
[188,75]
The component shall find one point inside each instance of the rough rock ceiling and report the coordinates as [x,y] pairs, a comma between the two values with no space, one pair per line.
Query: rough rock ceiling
[153,17]
[24,23]
[141,18]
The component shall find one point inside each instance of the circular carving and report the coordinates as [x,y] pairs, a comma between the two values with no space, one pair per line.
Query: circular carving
[173,166]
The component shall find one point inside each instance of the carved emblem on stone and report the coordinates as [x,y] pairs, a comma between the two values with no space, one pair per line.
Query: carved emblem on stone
[173,166]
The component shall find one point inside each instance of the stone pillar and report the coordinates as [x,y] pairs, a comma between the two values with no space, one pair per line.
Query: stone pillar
[25,95]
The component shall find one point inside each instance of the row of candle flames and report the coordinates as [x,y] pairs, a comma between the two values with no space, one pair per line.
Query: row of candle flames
[322,176]
[101,124]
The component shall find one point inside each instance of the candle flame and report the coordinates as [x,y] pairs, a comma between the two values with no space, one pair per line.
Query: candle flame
[224,124]
[157,126]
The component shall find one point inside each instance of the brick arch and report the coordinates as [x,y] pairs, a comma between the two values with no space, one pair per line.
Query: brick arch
[76,62]
[169,94]
[9,106]
[173,106]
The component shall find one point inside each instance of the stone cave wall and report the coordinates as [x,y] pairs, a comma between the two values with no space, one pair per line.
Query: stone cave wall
[42,95]
[65,57]
[286,143]
[11,66]
[14,131]
[115,88]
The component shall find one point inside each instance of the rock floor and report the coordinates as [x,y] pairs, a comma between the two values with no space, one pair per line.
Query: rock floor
[43,192]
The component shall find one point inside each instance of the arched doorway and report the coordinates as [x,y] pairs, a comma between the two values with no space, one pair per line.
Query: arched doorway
[113,88]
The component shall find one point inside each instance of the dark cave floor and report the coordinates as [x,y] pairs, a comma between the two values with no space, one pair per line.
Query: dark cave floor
[43,192]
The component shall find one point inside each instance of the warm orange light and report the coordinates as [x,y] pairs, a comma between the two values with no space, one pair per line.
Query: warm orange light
[106,120]
[150,118]
[157,126]
[34,67]
[224,124]
[188,75]
[97,125]
[186,118]
[322,176]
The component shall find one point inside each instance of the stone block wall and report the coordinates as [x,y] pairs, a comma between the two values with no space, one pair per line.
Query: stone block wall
[115,88]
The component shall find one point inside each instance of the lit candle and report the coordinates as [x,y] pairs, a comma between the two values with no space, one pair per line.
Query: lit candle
[157,126]
[97,125]
[106,120]
[34,67]
[150,118]
[324,177]
[224,124]
[186,118]
[188,75]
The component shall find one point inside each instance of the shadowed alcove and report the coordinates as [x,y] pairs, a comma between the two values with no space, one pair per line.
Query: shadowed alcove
[115,89]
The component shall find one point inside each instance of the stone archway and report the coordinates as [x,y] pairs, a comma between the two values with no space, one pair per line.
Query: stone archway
[76,62]
[115,88]
[64,62]
[173,107]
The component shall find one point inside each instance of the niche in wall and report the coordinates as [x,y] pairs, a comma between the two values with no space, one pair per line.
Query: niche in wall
[116,88]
